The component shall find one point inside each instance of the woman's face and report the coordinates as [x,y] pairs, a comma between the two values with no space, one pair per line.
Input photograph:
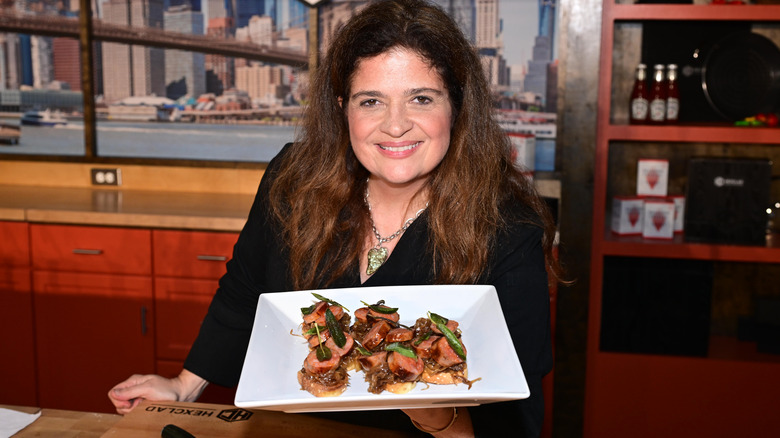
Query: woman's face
[399,117]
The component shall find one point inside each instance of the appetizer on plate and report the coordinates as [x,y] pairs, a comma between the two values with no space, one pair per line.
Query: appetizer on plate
[325,369]
[392,356]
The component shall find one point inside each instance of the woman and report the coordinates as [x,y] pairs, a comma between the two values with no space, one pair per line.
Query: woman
[399,177]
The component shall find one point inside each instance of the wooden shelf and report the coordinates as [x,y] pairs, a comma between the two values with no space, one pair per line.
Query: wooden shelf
[683,12]
[733,390]
[678,248]
[712,133]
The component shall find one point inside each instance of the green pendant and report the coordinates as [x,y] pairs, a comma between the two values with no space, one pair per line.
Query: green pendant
[376,256]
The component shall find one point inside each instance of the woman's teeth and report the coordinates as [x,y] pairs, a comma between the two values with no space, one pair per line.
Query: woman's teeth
[399,149]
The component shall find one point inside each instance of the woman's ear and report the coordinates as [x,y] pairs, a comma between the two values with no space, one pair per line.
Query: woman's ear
[341,102]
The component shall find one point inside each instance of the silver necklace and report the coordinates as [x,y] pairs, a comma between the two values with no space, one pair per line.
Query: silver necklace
[378,254]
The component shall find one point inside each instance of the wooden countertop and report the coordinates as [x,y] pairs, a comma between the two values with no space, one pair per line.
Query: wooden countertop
[131,208]
[60,423]
[200,419]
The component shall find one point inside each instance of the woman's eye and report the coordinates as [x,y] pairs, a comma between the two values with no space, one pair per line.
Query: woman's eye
[422,99]
[369,102]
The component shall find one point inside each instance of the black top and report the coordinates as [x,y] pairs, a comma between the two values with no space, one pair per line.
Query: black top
[259,265]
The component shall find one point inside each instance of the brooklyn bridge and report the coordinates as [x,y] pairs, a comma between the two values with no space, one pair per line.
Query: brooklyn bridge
[53,25]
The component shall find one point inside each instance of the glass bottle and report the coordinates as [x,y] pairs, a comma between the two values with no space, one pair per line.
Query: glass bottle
[639,104]
[657,114]
[672,95]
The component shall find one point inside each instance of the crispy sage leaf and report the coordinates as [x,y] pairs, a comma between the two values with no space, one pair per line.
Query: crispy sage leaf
[323,352]
[328,300]
[423,337]
[335,329]
[379,308]
[401,349]
[314,330]
[308,310]
[453,340]
[437,319]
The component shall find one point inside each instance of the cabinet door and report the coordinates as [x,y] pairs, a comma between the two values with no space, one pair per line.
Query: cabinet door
[180,305]
[17,367]
[93,331]
[91,249]
[192,254]
[14,244]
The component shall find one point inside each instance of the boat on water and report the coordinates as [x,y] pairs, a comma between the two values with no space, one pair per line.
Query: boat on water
[43,118]
[9,134]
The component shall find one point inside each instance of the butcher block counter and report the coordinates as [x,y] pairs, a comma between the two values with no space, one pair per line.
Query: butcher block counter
[129,208]
[199,419]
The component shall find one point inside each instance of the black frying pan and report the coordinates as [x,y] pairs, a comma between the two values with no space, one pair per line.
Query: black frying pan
[741,76]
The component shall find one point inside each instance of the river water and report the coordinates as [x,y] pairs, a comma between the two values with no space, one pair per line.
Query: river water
[183,141]
[256,143]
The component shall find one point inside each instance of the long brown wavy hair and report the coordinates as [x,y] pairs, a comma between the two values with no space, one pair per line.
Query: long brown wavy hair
[318,195]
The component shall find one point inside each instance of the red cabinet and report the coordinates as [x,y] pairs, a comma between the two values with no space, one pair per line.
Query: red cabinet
[187,267]
[91,249]
[94,318]
[17,368]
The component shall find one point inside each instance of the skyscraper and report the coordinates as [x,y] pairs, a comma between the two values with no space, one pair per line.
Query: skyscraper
[185,72]
[245,9]
[537,77]
[10,67]
[42,68]
[464,13]
[133,70]
[220,70]
[67,67]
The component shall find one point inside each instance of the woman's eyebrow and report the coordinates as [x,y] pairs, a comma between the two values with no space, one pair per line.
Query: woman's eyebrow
[367,93]
[410,92]
[424,90]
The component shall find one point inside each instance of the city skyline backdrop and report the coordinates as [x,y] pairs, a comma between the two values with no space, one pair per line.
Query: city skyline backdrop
[515,38]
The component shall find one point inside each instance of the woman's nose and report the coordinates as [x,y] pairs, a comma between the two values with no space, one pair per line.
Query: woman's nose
[397,121]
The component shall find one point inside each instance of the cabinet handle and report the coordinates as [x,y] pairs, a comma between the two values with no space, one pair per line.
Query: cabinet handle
[144,329]
[212,258]
[87,251]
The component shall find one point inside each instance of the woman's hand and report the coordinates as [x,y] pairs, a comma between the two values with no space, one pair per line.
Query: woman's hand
[439,419]
[130,393]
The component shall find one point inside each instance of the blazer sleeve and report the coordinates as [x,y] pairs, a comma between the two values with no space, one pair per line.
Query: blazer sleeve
[256,266]
[520,277]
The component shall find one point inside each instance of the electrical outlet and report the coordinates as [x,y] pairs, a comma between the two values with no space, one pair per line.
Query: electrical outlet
[106,177]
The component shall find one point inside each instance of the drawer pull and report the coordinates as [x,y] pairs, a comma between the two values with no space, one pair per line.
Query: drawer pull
[144,329]
[87,251]
[212,258]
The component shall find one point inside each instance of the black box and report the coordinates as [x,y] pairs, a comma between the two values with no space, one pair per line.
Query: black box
[656,306]
[726,200]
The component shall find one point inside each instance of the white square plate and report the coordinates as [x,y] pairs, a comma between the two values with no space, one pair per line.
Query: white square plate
[269,377]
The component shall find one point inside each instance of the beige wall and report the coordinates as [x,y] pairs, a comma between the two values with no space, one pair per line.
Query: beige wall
[134,177]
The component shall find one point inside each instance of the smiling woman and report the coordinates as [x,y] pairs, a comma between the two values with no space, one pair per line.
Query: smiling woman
[399,176]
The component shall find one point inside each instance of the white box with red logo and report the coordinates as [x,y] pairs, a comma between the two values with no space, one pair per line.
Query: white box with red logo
[523,150]
[658,219]
[652,177]
[627,214]
[679,212]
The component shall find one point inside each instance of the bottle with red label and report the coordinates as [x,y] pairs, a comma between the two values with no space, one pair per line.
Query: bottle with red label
[639,105]
[657,114]
[672,95]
